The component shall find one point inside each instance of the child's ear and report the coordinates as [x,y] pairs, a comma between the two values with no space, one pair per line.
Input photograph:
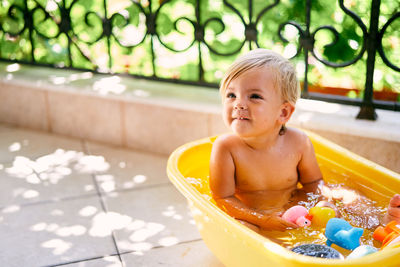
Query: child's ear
[287,110]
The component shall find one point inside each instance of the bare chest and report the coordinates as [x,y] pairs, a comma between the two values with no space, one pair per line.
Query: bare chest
[273,171]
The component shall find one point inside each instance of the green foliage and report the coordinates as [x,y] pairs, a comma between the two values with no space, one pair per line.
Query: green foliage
[352,94]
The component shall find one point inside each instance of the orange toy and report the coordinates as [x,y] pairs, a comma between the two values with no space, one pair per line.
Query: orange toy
[388,235]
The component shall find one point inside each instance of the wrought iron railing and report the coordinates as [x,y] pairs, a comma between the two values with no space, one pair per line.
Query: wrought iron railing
[143,38]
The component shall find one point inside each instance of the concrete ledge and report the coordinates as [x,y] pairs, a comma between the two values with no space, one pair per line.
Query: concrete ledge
[158,117]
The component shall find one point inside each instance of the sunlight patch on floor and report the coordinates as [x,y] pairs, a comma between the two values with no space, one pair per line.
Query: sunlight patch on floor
[104,223]
[58,246]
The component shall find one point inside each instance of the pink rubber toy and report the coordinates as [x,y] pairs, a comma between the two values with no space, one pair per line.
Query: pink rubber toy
[298,215]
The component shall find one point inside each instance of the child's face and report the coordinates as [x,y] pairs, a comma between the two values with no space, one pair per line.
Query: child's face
[252,103]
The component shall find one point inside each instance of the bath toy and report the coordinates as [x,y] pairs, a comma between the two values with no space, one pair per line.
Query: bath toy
[388,235]
[317,250]
[298,215]
[341,233]
[362,251]
[321,215]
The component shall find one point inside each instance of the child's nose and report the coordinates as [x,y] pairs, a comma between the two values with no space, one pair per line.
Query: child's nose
[240,105]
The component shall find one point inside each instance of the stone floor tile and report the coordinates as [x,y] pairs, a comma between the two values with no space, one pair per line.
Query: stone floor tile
[111,261]
[27,181]
[191,254]
[53,233]
[151,217]
[128,168]
[16,142]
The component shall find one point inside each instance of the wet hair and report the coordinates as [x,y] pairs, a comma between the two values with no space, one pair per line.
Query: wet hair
[284,73]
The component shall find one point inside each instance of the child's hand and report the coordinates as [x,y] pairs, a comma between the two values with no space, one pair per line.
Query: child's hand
[393,212]
[275,222]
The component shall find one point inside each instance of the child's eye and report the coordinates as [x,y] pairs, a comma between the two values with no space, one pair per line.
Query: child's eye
[230,95]
[256,96]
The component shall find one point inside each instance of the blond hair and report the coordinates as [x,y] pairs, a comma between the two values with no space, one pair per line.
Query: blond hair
[285,74]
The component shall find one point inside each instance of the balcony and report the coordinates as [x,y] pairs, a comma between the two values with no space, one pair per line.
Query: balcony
[83,153]
[83,164]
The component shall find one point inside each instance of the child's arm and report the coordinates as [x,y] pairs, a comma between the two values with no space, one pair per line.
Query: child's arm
[222,184]
[308,169]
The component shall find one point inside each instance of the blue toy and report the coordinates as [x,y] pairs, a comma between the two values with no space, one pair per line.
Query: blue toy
[361,251]
[341,233]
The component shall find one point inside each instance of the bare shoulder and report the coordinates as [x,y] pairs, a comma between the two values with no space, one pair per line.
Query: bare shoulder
[226,141]
[224,147]
[298,137]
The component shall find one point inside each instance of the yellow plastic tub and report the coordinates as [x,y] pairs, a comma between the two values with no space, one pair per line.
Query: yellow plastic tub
[236,245]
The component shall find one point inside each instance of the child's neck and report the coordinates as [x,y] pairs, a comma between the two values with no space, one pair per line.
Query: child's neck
[262,142]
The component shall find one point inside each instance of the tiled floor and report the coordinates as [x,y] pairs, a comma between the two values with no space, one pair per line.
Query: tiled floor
[75,203]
